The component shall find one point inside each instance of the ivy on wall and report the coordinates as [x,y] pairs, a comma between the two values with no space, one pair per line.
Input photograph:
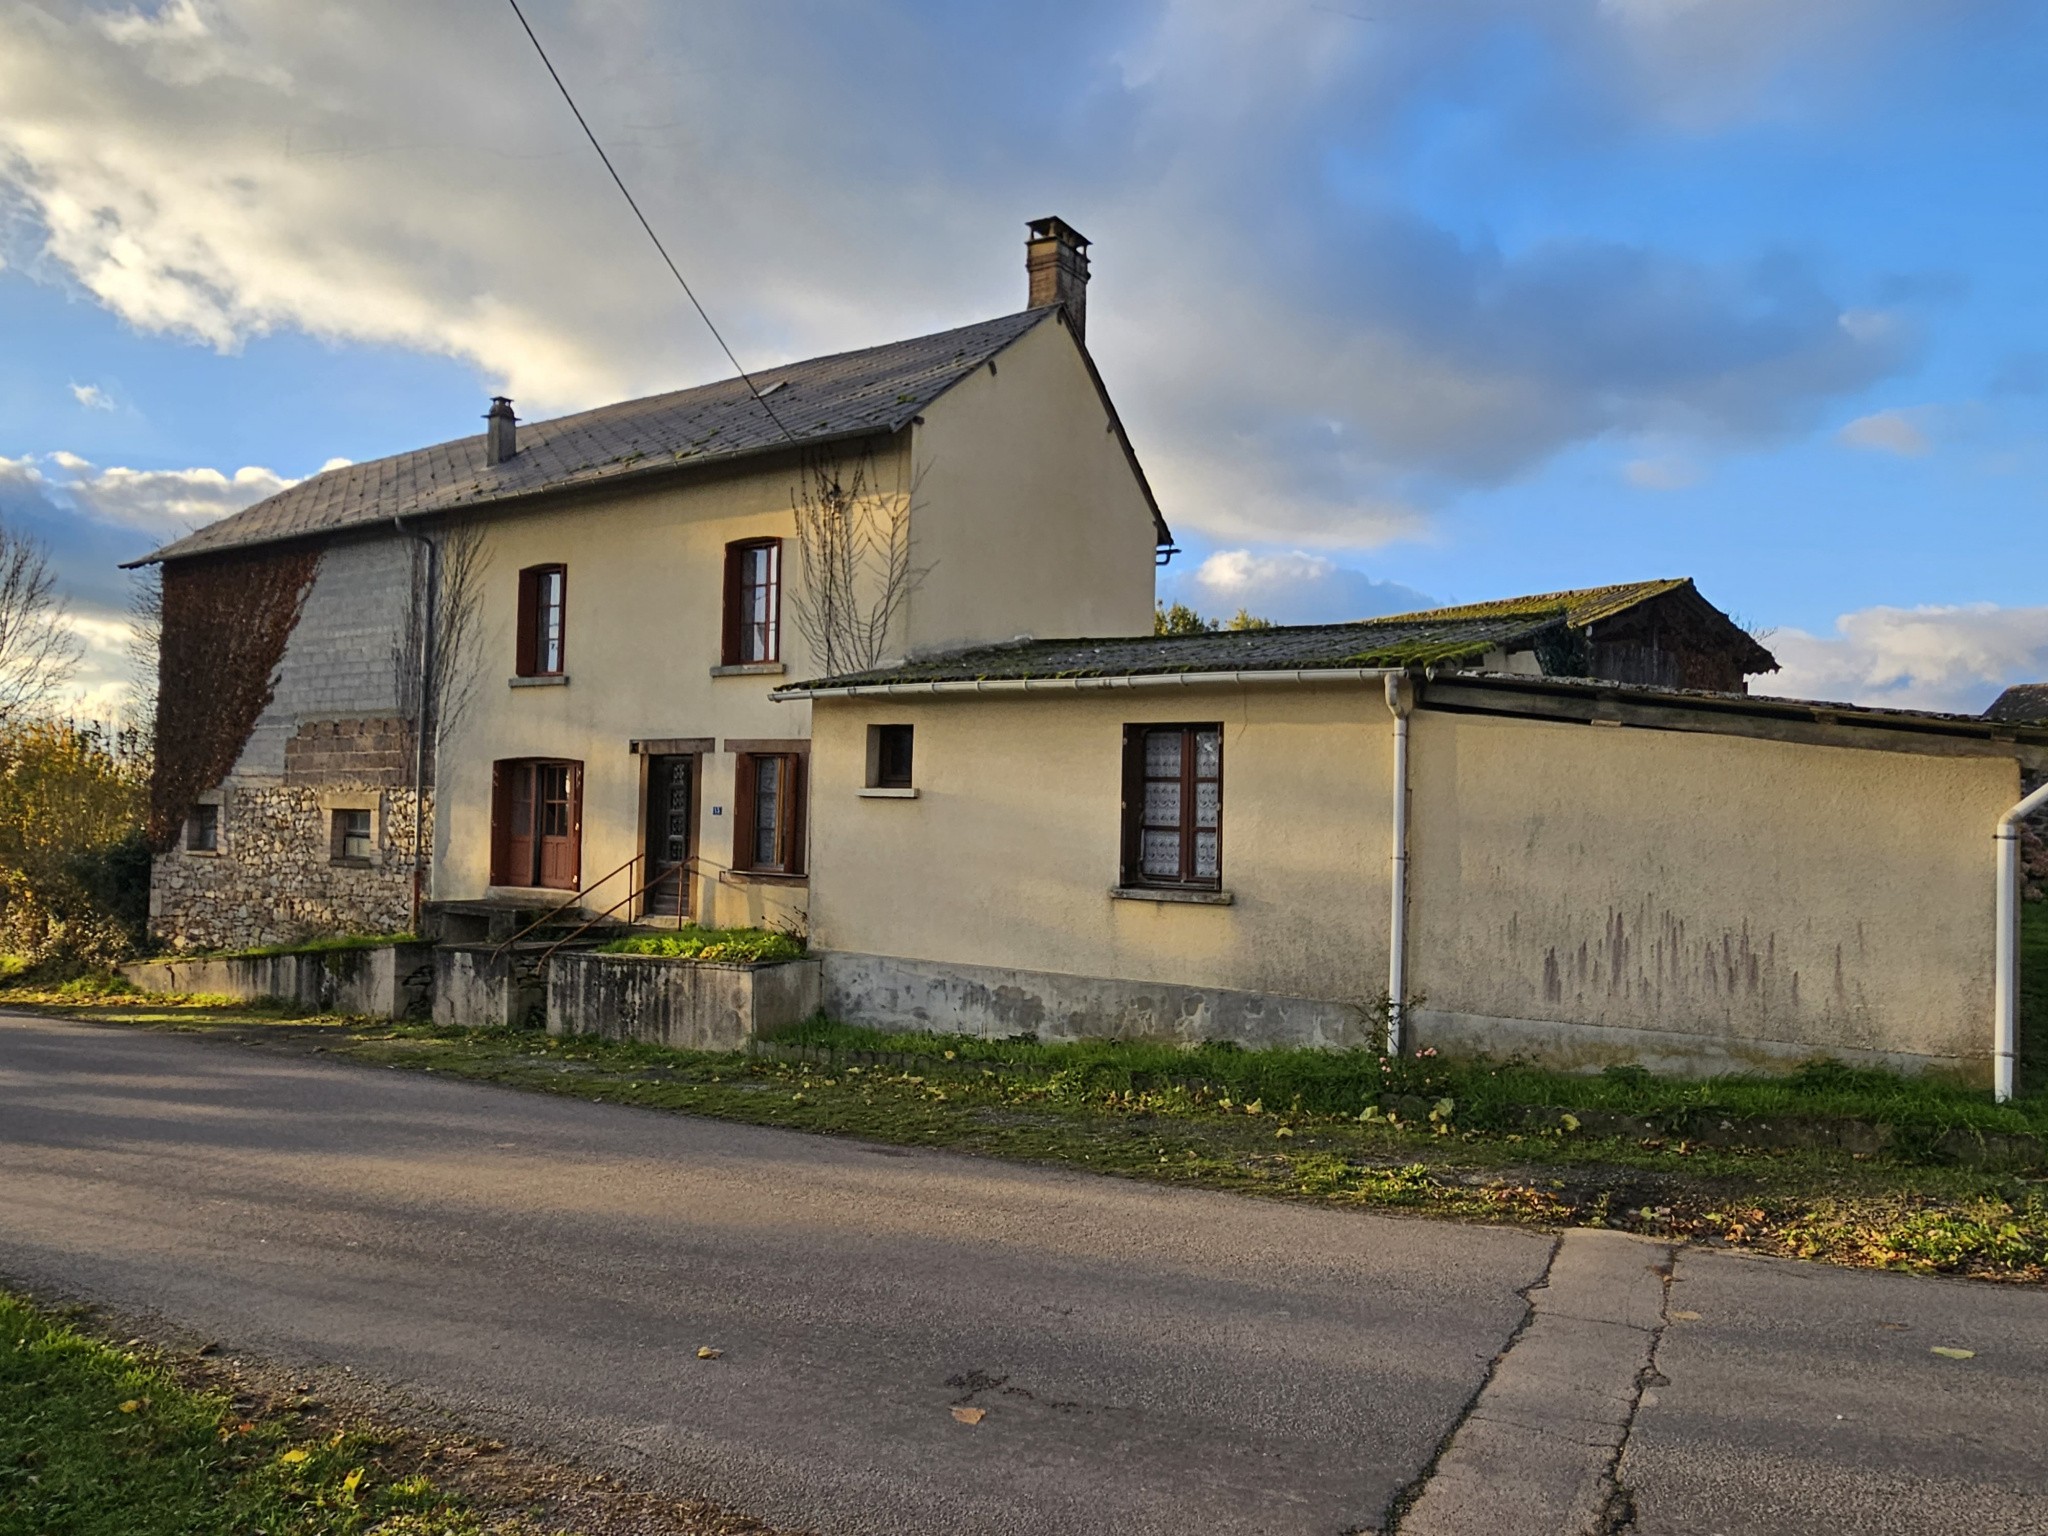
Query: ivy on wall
[226,621]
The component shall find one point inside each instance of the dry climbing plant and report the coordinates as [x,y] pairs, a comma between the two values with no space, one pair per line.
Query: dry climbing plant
[226,619]
[855,544]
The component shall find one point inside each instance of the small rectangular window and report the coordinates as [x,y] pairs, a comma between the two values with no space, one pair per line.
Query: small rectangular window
[543,603]
[351,835]
[889,748]
[1173,806]
[769,836]
[202,829]
[753,602]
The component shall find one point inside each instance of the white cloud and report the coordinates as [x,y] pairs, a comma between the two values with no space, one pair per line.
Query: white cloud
[1953,658]
[1668,472]
[1295,366]
[1894,432]
[1290,587]
[92,397]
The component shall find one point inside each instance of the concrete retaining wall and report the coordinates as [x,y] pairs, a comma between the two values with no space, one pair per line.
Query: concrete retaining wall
[475,988]
[683,1004]
[390,981]
[994,1002]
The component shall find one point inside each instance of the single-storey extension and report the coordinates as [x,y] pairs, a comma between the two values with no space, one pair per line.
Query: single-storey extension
[1306,835]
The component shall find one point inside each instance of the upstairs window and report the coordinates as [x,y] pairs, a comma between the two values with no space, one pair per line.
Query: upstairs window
[202,829]
[753,602]
[543,600]
[1173,806]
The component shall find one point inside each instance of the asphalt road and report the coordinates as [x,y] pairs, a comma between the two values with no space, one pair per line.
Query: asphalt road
[1150,1360]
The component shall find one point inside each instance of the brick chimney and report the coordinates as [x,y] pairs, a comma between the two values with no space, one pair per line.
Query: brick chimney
[1056,261]
[500,443]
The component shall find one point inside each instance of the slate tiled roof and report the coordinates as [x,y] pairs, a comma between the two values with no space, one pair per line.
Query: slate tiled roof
[2025,703]
[1416,641]
[847,395]
[1581,605]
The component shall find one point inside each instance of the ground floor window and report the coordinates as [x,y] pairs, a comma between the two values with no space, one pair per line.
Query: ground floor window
[350,836]
[1173,806]
[202,829]
[537,823]
[769,836]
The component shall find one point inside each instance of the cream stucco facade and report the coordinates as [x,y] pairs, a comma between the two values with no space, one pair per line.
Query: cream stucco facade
[1026,516]
[1587,892]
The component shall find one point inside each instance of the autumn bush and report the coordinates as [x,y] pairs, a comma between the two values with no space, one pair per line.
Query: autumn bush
[74,866]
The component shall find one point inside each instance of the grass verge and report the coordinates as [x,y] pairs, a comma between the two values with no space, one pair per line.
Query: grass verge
[99,1440]
[749,946]
[1279,1124]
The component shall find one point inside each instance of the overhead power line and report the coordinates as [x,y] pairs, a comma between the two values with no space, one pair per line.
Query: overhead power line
[619,182]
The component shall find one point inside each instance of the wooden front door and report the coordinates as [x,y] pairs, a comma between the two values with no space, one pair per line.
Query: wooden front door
[537,824]
[671,798]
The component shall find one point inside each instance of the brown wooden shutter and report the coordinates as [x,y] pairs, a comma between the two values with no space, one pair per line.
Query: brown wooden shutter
[575,812]
[730,646]
[793,814]
[1133,805]
[743,812]
[527,648]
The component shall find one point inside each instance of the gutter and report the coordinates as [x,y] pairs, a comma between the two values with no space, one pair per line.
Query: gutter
[1087,684]
[2006,984]
[419,729]
[1401,700]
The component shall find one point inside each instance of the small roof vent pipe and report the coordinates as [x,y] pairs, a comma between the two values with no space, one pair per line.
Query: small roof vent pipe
[1056,262]
[500,424]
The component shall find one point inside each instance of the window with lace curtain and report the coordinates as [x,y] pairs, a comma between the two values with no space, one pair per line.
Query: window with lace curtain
[1173,806]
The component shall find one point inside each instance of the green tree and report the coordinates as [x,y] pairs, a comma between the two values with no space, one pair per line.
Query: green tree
[1244,619]
[1180,619]
[74,869]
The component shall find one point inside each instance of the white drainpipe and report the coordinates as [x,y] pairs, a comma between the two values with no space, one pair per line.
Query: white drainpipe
[2006,989]
[1401,700]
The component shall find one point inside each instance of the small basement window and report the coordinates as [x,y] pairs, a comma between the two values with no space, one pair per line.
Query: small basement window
[889,748]
[352,836]
[202,829]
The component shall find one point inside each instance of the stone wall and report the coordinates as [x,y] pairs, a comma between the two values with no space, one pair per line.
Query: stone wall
[276,878]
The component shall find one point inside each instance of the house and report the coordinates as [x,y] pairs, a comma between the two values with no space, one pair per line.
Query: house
[1306,836]
[534,666]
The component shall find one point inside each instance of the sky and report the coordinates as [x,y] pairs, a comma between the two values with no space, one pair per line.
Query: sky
[1402,301]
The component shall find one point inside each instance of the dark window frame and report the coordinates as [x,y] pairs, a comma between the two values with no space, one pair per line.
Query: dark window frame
[207,814]
[751,640]
[787,855]
[892,756]
[532,658]
[338,835]
[521,844]
[1135,825]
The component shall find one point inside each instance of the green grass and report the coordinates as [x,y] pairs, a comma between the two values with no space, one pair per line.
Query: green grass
[733,946]
[329,944]
[2034,997]
[100,1441]
[1487,1095]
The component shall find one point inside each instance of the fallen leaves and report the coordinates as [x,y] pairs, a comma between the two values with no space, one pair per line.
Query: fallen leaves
[706,1352]
[969,1415]
[1949,1352]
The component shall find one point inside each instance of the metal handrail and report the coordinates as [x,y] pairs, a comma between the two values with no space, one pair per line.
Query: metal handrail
[548,917]
[681,871]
